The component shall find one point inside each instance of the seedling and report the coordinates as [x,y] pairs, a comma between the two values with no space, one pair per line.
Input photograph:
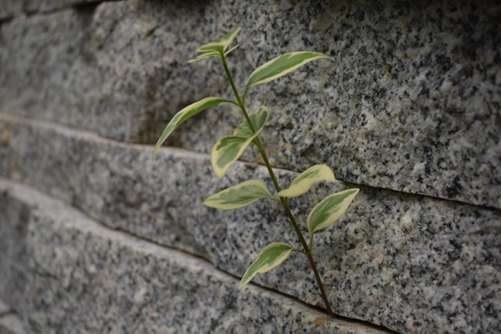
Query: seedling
[228,149]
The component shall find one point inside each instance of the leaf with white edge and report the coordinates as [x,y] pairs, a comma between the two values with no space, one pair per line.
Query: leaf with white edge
[270,257]
[228,149]
[220,45]
[239,195]
[329,210]
[258,120]
[204,56]
[304,181]
[185,114]
[281,66]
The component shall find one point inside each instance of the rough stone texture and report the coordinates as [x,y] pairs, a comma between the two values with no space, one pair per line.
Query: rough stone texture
[85,72]
[9,8]
[411,101]
[83,278]
[410,263]
[12,8]
[3,308]
[10,324]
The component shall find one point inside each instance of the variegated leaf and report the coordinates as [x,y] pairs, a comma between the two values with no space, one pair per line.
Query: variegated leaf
[226,53]
[270,257]
[281,66]
[220,45]
[204,56]
[228,149]
[304,181]
[330,209]
[258,120]
[185,114]
[239,195]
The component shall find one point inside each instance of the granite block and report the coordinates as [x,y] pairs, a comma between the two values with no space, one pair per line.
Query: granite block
[411,101]
[84,278]
[409,263]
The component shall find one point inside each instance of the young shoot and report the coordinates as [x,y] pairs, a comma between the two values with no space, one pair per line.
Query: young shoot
[228,149]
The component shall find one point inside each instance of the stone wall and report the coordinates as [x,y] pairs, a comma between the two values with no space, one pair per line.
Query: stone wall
[100,234]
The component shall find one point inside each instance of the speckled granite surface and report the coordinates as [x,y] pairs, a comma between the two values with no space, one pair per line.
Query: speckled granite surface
[4,308]
[10,324]
[411,101]
[8,9]
[409,263]
[14,8]
[83,278]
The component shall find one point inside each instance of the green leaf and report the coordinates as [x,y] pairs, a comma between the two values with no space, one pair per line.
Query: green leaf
[228,149]
[281,66]
[185,114]
[226,53]
[258,120]
[203,56]
[304,181]
[239,195]
[220,45]
[330,209]
[270,257]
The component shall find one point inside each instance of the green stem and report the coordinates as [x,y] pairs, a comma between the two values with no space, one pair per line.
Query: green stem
[284,201]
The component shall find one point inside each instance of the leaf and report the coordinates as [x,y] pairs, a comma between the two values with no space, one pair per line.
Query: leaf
[270,257]
[304,181]
[258,120]
[239,195]
[226,53]
[228,149]
[203,56]
[330,209]
[281,66]
[220,45]
[185,114]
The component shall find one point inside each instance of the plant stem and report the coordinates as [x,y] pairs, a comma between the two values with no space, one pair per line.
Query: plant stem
[284,201]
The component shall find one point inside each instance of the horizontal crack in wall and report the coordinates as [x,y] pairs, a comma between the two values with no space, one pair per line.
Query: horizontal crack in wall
[193,154]
[129,234]
[7,313]
[133,238]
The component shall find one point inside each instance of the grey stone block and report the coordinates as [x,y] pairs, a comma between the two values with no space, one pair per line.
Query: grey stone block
[409,263]
[411,101]
[83,278]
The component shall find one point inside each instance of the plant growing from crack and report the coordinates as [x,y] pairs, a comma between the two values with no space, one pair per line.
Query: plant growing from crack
[228,149]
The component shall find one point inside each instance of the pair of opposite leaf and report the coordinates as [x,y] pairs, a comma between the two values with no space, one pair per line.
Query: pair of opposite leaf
[228,149]
[323,215]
